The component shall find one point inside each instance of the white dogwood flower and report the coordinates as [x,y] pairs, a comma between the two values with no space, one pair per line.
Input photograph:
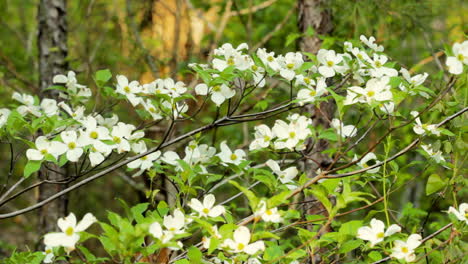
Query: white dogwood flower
[405,250]
[268,59]
[130,90]
[422,129]
[175,223]
[263,137]
[289,63]
[155,113]
[370,42]
[219,93]
[267,214]
[241,240]
[342,130]
[93,132]
[4,114]
[285,176]
[460,57]
[461,213]
[435,155]
[290,135]
[378,69]
[376,90]
[230,157]
[28,104]
[310,94]
[207,208]
[98,152]
[156,231]
[44,147]
[206,241]
[329,61]
[49,255]
[70,231]
[176,89]
[120,135]
[368,160]
[49,107]
[375,233]
[144,162]
[73,148]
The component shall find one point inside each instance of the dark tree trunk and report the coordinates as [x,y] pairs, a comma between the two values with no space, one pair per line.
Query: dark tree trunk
[313,14]
[52,45]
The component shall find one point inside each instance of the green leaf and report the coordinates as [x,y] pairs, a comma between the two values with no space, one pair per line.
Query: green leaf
[194,254]
[349,246]
[291,38]
[253,200]
[31,167]
[434,183]
[102,76]
[375,256]
[137,211]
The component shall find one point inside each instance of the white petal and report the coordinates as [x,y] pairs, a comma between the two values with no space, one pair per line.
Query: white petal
[87,220]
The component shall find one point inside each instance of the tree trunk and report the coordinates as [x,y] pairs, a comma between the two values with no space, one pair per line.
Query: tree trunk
[52,45]
[312,14]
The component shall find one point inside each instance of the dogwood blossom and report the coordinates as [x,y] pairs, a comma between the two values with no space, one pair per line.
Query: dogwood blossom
[289,63]
[195,153]
[220,93]
[49,255]
[405,250]
[292,135]
[28,104]
[268,59]
[175,223]
[49,107]
[422,129]
[241,240]
[460,57]
[229,157]
[267,214]
[285,176]
[207,208]
[73,148]
[370,42]
[228,56]
[263,137]
[375,233]
[77,114]
[92,132]
[310,95]
[144,162]
[329,61]
[436,156]
[413,81]
[130,90]
[72,85]
[176,89]
[461,213]
[4,114]
[98,152]
[70,231]
[44,147]
[342,130]
[120,135]
[155,113]
[376,90]
[368,160]
[378,69]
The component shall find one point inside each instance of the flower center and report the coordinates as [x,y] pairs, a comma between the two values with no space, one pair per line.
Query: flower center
[266,138]
[240,246]
[217,88]
[206,210]
[359,56]
[312,93]
[233,156]
[69,231]
[71,145]
[94,135]
[270,58]
[152,110]
[378,64]
[290,66]
[292,134]
[48,251]
[254,68]
[370,93]
[172,229]
[460,57]
[381,235]
[144,158]
[404,250]
[44,151]
[126,89]
[307,80]
[330,63]
[230,61]
[117,140]
[268,212]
